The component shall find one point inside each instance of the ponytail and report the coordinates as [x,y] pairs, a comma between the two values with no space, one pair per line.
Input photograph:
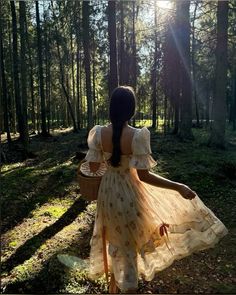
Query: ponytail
[117,128]
[122,109]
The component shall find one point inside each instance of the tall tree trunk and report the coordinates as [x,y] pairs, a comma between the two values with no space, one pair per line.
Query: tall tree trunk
[78,85]
[47,70]
[73,72]
[31,77]
[207,93]
[113,74]
[134,52]
[185,131]
[94,80]
[122,74]
[86,33]
[62,79]
[23,68]
[165,114]
[41,79]
[3,85]
[18,104]
[217,136]
[134,47]
[77,24]
[154,75]
[176,76]
[11,105]
[194,64]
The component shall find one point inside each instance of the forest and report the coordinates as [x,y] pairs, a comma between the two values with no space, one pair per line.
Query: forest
[60,60]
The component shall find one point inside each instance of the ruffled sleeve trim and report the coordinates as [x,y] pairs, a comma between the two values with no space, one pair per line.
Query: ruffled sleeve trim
[94,153]
[141,158]
[142,162]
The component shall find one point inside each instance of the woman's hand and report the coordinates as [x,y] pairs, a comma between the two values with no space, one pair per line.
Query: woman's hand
[186,192]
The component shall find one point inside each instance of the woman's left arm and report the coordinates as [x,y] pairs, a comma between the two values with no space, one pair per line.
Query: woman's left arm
[157,180]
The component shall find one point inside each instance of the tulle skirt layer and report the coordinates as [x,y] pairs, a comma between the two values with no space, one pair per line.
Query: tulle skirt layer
[146,228]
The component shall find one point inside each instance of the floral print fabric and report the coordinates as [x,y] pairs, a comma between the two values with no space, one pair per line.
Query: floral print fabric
[133,213]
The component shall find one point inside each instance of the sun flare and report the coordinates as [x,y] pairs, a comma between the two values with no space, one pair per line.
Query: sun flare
[164,4]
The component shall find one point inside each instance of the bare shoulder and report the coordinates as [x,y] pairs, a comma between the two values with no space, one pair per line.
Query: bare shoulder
[106,129]
[131,130]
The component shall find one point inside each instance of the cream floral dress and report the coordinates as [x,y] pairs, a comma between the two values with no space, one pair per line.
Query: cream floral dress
[146,227]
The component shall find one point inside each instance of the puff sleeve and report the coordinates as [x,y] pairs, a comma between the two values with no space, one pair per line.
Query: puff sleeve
[94,153]
[141,158]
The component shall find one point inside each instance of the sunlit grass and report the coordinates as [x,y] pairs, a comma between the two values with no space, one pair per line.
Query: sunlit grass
[190,162]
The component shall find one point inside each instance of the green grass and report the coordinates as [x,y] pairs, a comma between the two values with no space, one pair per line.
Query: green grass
[43,216]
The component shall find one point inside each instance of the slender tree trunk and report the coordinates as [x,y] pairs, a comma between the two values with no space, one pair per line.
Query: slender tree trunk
[193,64]
[94,80]
[31,77]
[3,85]
[73,73]
[185,131]
[62,78]
[217,136]
[113,73]
[11,101]
[41,78]
[48,70]
[18,104]
[134,52]
[122,74]
[207,115]
[154,75]
[23,74]
[82,89]
[77,24]
[134,47]
[165,114]
[86,33]
[176,76]
[78,87]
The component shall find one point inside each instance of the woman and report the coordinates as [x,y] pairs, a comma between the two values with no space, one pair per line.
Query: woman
[143,221]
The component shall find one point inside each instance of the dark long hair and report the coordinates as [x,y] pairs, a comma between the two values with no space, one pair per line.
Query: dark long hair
[122,109]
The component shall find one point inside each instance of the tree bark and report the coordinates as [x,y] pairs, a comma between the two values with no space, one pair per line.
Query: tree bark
[3,84]
[86,34]
[63,82]
[41,78]
[31,77]
[23,68]
[122,73]
[47,71]
[77,23]
[194,65]
[185,131]
[217,136]
[113,72]
[154,75]
[85,22]
[18,103]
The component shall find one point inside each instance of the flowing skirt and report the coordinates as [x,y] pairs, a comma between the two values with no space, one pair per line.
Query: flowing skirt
[141,229]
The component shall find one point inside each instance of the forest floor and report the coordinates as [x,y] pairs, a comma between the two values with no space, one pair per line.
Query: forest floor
[43,215]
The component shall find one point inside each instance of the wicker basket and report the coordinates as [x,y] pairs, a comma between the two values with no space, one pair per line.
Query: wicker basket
[89,185]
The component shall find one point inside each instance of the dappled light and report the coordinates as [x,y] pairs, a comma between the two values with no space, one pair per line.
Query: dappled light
[163,218]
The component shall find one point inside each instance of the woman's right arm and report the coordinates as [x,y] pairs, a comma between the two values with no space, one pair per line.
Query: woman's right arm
[159,181]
